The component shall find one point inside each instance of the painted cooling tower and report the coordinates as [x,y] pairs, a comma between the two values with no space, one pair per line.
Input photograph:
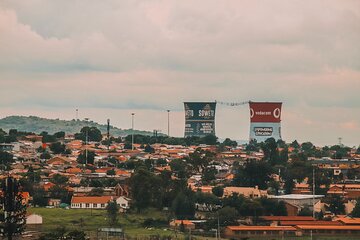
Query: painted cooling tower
[265,118]
[199,118]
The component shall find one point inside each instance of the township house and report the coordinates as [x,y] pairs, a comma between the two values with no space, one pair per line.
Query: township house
[248,192]
[98,202]
[296,226]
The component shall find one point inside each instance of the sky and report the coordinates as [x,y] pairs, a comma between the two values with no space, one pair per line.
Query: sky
[110,58]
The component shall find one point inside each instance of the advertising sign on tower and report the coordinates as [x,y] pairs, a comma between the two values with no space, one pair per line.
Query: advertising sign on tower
[199,118]
[265,119]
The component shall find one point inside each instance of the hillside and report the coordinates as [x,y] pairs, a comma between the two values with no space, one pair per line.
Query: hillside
[38,125]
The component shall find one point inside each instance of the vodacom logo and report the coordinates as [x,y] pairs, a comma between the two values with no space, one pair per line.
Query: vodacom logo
[251,113]
[276,113]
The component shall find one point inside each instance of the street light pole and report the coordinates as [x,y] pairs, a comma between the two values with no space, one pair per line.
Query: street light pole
[86,147]
[132,131]
[168,115]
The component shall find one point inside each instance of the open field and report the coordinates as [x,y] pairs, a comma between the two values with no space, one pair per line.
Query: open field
[90,220]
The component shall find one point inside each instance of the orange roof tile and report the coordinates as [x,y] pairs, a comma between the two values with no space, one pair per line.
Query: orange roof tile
[294,223]
[91,199]
[287,218]
[349,221]
[324,227]
[185,222]
[261,228]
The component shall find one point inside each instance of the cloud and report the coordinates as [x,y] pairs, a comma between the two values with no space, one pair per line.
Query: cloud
[152,55]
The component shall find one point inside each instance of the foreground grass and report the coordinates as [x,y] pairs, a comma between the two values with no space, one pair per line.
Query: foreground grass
[90,220]
[132,223]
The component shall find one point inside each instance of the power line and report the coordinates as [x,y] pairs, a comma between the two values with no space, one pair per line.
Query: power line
[232,104]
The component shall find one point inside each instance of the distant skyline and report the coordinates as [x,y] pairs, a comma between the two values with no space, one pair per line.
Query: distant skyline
[110,58]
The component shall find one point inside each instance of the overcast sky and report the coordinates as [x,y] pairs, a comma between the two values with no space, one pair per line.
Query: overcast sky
[109,58]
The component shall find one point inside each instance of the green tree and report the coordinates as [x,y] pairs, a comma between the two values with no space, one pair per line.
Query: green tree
[305,211]
[356,211]
[76,235]
[39,197]
[63,233]
[208,175]
[180,168]
[218,191]
[98,191]
[82,159]
[183,205]
[47,138]
[227,216]
[112,210]
[93,134]
[149,149]
[111,172]
[253,146]
[336,205]
[228,142]
[60,134]
[210,139]
[14,211]
[270,150]
[253,173]
[280,209]
[200,159]
[146,189]
[6,159]
[57,148]
[208,200]
[59,179]
[45,155]
[61,193]
[295,144]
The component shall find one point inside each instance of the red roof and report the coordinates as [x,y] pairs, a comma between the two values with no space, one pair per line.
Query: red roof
[349,221]
[324,227]
[261,228]
[294,223]
[287,218]
[91,199]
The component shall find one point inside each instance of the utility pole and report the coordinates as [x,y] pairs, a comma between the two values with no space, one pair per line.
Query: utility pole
[86,147]
[132,131]
[108,137]
[313,200]
[108,133]
[218,223]
[168,116]
[77,114]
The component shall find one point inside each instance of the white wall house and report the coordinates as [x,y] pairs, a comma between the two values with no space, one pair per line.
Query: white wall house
[90,202]
[123,202]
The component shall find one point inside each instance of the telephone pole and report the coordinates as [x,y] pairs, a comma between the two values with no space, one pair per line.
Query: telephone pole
[168,118]
[132,131]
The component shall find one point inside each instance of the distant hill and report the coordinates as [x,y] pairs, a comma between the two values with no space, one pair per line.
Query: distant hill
[37,125]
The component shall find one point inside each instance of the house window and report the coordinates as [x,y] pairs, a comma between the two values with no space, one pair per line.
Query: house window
[87,205]
[103,205]
[95,205]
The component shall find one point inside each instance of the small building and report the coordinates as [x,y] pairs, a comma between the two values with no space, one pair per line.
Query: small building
[124,203]
[249,192]
[302,230]
[299,200]
[55,202]
[90,202]
[34,219]
[275,220]
[258,231]
[186,223]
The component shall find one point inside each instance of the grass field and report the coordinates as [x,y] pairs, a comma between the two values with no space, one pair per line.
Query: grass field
[90,220]
[132,223]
